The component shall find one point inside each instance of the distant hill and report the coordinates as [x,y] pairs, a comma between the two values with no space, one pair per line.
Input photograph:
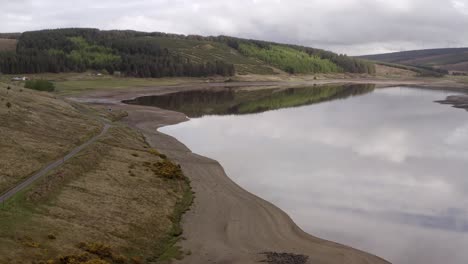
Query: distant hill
[449,59]
[155,54]
[10,35]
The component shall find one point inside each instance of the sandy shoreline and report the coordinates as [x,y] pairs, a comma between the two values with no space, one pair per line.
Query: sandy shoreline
[227,224]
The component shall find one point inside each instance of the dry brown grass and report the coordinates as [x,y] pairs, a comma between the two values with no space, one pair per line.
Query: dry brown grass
[391,72]
[37,129]
[8,44]
[107,201]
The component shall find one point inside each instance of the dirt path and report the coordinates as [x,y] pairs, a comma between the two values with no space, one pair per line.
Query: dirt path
[7,195]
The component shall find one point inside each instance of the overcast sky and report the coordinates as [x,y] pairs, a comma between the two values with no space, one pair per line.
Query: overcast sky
[345,26]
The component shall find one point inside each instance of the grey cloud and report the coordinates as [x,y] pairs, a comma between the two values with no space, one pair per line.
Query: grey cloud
[345,26]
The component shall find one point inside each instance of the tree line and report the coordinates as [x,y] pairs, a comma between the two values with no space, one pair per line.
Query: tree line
[76,50]
[135,53]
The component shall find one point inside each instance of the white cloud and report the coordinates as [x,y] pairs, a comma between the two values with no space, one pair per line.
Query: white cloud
[459,136]
[461,6]
[391,145]
[347,26]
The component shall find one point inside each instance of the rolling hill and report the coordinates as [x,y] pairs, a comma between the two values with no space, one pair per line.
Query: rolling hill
[155,54]
[449,59]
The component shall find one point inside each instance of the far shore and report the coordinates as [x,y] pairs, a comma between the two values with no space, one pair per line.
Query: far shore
[115,96]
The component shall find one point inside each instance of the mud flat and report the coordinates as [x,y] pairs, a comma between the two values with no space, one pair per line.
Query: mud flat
[457,101]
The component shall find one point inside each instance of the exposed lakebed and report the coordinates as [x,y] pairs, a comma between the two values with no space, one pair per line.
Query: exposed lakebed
[384,170]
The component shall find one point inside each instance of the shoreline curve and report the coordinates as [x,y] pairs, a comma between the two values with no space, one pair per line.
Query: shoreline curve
[226,224]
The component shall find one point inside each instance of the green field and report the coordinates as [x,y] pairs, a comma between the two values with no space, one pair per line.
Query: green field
[68,87]
[75,83]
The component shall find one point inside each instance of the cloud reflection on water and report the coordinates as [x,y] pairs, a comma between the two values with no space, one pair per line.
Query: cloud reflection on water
[383,172]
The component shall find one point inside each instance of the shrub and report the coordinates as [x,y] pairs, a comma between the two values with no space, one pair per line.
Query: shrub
[154,152]
[119,259]
[98,249]
[96,261]
[72,259]
[31,244]
[167,169]
[137,260]
[40,85]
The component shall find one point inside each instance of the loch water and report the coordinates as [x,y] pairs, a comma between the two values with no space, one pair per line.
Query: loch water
[382,170]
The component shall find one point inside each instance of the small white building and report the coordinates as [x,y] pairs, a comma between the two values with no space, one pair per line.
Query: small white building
[20,78]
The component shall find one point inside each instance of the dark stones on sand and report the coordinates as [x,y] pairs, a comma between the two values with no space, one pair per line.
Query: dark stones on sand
[284,258]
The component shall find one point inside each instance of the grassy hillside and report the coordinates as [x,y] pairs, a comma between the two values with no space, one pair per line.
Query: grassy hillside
[117,201]
[142,54]
[36,129]
[200,51]
[422,71]
[394,72]
[450,59]
[289,59]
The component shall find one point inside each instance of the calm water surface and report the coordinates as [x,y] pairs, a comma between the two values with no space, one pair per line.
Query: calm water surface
[384,172]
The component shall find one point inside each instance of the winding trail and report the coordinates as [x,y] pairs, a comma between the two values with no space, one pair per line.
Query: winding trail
[10,193]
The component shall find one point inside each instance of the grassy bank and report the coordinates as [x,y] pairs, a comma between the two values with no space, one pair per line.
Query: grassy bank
[35,129]
[75,83]
[117,201]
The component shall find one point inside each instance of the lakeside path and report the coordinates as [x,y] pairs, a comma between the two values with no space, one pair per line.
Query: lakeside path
[13,191]
[226,224]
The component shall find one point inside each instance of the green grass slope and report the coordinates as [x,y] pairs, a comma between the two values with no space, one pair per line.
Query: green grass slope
[200,51]
[289,59]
